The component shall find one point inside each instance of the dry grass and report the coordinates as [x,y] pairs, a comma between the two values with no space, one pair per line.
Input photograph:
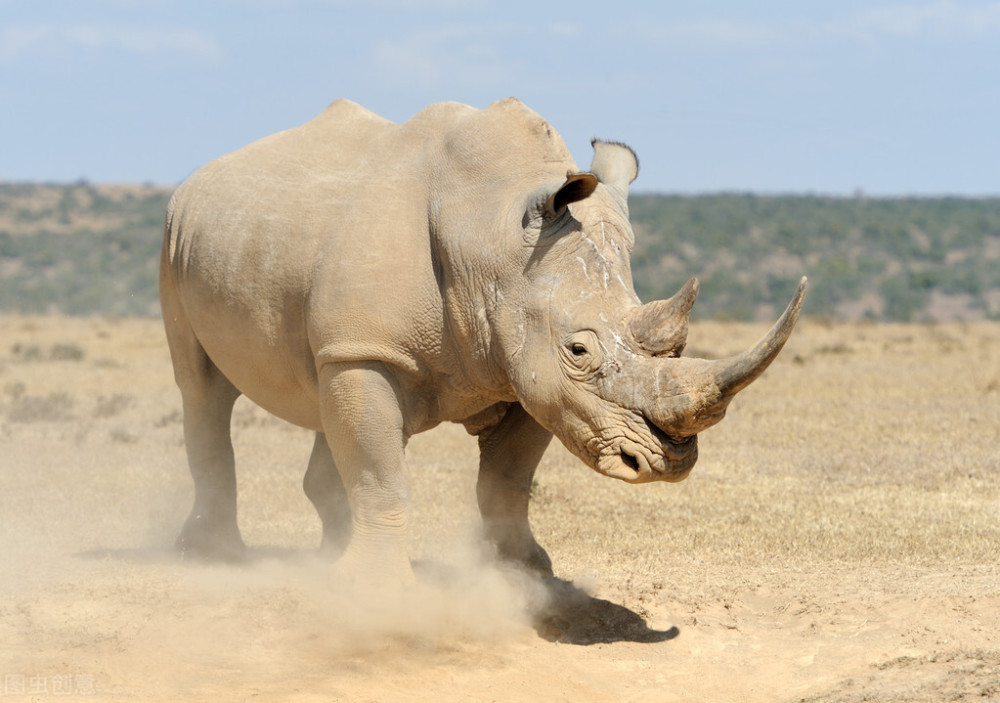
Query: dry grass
[836,542]
[862,445]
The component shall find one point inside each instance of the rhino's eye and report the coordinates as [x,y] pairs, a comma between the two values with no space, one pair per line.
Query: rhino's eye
[581,353]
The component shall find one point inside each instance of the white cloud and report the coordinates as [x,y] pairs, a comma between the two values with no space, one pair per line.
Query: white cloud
[565,29]
[714,32]
[916,20]
[423,5]
[408,61]
[458,54]
[414,6]
[939,18]
[16,41]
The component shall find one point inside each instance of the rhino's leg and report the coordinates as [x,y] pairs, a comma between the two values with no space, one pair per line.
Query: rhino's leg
[208,397]
[509,453]
[325,490]
[361,411]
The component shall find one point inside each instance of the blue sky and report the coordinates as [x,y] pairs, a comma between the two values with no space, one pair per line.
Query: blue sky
[888,97]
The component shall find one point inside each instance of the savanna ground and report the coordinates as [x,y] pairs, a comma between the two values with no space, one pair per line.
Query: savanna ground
[838,541]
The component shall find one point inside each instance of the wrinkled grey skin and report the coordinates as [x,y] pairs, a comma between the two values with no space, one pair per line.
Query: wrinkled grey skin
[368,280]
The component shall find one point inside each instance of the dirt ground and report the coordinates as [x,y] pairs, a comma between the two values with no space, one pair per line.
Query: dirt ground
[837,542]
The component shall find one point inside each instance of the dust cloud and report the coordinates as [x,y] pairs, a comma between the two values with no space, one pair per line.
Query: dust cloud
[142,621]
[462,598]
[92,591]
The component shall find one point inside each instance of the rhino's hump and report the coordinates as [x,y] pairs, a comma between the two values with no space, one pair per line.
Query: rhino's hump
[349,146]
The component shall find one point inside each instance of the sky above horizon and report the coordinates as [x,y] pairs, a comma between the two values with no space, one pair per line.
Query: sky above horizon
[889,98]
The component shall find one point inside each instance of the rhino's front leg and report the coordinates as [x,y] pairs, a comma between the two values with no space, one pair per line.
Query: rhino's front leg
[509,452]
[361,410]
[325,490]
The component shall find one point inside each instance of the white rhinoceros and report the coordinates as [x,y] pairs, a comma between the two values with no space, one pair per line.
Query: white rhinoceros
[368,280]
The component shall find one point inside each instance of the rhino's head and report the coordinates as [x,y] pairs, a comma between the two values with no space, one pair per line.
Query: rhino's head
[593,365]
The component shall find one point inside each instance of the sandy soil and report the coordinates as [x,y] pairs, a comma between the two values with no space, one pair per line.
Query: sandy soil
[837,542]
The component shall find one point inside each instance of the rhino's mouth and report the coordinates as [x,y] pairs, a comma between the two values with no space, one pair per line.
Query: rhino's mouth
[634,462]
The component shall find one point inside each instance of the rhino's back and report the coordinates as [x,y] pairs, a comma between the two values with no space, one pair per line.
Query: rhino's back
[312,237]
[346,181]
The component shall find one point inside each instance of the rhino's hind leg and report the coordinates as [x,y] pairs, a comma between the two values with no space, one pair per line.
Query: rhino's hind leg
[325,490]
[211,530]
[509,453]
[208,397]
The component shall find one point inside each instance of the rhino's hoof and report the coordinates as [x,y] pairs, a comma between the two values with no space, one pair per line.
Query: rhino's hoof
[203,541]
[371,572]
[540,563]
[532,558]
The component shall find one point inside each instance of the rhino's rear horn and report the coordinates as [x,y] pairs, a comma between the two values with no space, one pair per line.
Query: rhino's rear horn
[661,327]
[737,372]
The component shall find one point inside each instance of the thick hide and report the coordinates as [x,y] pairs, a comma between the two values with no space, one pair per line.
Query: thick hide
[369,280]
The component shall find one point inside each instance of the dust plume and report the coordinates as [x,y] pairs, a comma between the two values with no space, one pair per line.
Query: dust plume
[464,600]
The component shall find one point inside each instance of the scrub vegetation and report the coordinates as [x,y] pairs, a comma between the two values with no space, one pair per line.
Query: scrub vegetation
[85,249]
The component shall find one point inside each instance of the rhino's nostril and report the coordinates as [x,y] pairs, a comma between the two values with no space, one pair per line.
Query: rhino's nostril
[630,461]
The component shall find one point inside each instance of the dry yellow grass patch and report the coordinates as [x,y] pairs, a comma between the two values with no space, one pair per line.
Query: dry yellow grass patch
[837,541]
[862,444]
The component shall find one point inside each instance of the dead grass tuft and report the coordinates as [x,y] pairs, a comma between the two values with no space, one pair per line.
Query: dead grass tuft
[57,352]
[109,406]
[66,352]
[54,407]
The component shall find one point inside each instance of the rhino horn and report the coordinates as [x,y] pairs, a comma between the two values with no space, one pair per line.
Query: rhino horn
[737,372]
[661,327]
[691,395]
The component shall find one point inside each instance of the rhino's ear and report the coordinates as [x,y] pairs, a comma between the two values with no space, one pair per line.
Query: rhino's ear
[615,164]
[577,187]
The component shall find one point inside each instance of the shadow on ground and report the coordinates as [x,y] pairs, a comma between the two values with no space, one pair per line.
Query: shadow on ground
[572,616]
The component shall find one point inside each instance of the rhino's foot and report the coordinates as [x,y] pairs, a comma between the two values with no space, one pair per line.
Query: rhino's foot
[210,541]
[527,555]
[378,570]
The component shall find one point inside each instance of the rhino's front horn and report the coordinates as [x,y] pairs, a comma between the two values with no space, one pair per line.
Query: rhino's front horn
[690,395]
[737,372]
[661,327]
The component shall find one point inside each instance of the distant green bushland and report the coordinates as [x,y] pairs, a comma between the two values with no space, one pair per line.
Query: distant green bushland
[878,258]
[84,249]
[80,249]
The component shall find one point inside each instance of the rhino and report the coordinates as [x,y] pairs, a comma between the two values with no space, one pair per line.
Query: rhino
[369,280]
